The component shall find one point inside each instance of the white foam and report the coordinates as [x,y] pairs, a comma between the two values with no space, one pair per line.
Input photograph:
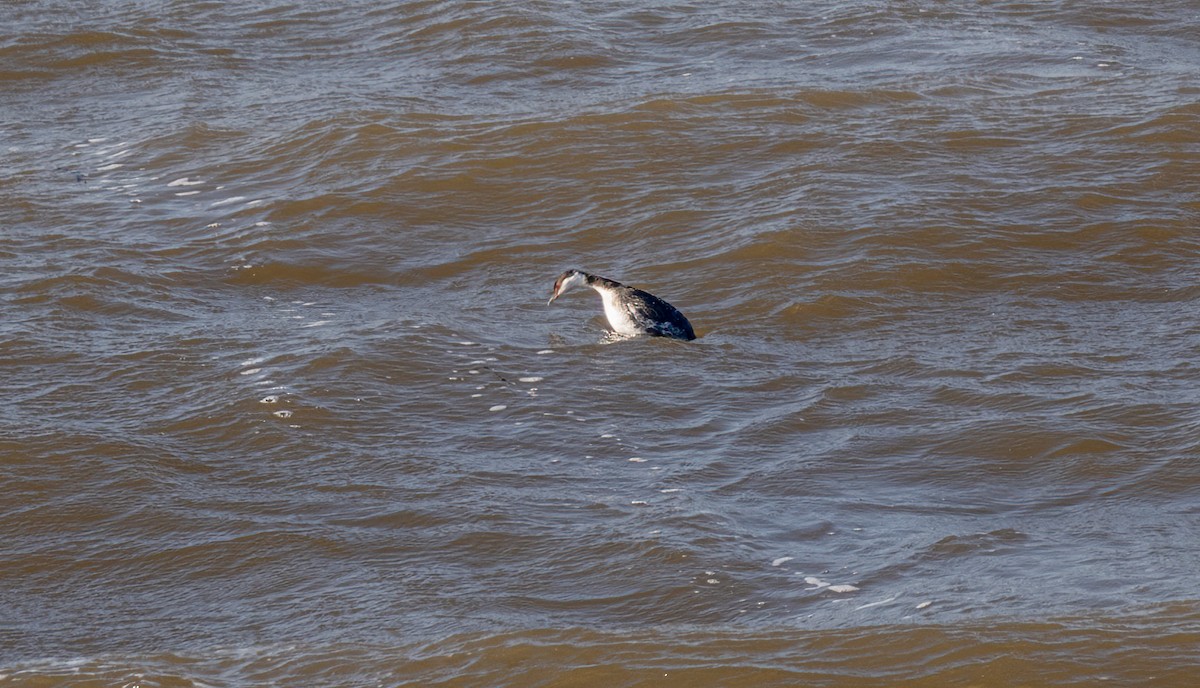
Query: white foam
[317,323]
[111,166]
[283,414]
[851,588]
[669,490]
[781,560]
[543,352]
[637,459]
[924,604]
[251,371]
[817,583]
[498,407]
[873,604]
[269,399]
[639,502]
[185,181]
[186,193]
[226,201]
[532,378]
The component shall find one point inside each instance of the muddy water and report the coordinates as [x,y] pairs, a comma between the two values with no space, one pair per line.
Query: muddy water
[283,403]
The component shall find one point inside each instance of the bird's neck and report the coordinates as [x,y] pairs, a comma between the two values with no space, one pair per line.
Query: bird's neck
[601,284]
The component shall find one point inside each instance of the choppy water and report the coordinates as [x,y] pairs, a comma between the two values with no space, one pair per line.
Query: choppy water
[283,403]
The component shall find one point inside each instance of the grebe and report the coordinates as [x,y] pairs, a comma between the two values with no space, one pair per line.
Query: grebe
[629,311]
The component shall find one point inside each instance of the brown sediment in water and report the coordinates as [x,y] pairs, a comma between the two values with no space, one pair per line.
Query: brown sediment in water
[283,404]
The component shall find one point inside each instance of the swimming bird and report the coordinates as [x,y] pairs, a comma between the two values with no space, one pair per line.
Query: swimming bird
[629,311]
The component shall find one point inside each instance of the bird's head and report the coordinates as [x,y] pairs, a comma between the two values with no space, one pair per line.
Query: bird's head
[565,281]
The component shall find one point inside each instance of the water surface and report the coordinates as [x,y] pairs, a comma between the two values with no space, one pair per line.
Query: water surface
[283,402]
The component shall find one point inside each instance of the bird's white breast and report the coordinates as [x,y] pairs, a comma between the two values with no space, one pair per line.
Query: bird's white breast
[618,318]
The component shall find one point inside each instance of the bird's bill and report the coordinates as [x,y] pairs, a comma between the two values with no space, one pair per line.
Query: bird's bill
[558,290]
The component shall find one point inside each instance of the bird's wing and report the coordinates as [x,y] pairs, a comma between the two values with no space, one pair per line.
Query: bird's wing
[656,316]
